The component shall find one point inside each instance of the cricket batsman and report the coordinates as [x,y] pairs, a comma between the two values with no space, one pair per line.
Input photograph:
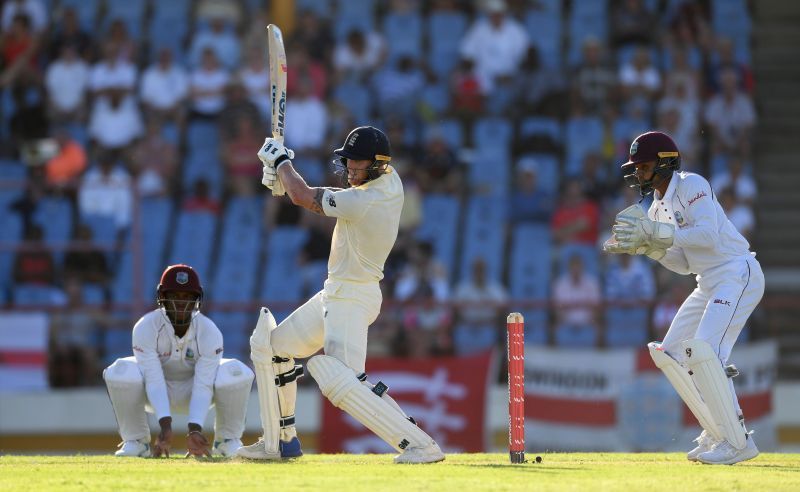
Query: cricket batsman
[177,367]
[367,214]
[687,231]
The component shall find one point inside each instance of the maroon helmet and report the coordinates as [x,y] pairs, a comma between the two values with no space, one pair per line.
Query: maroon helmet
[651,146]
[179,278]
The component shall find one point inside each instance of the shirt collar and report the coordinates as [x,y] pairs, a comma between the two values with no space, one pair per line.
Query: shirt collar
[389,170]
[673,184]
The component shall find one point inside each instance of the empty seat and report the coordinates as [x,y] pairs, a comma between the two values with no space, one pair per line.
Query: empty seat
[483,237]
[548,171]
[235,277]
[492,133]
[403,32]
[576,336]
[356,98]
[445,31]
[86,10]
[117,343]
[588,253]
[626,327]
[194,241]
[439,226]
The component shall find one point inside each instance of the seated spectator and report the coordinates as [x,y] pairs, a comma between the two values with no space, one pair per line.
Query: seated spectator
[154,162]
[83,261]
[34,10]
[423,272]
[680,94]
[594,177]
[238,106]
[397,88]
[359,56]
[427,324]
[314,35]
[242,167]
[305,67]
[576,217]
[64,170]
[538,89]
[630,282]
[34,264]
[439,168]
[306,121]
[28,203]
[112,73]
[74,340]
[106,190]
[207,85]
[201,199]
[725,58]
[29,118]
[222,41]
[669,122]
[742,184]
[639,77]
[229,13]
[19,48]
[497,44]
[480,305]
[467,92]
[529,203]
[164,88]
[115,121]
[254,77]
[739,213]
[119,38]
[70,33]
[67,83]
[631,23]
[576,299]
[731,116]
[593,81]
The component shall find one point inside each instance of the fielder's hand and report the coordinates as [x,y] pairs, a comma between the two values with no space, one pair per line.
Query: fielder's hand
[197,445]
[163,443]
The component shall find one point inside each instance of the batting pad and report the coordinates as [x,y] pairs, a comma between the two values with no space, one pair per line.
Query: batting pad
[339,384]
[683,384]
[261,354]
[711,381]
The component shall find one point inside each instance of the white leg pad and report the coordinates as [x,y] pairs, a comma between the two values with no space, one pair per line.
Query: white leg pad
[712,383]
[341,386]
[231,392]
[261,354]
[126,390]
[679,377]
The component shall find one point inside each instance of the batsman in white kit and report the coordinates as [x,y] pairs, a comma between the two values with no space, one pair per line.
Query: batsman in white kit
[686,230]
[337,317]
[177,367]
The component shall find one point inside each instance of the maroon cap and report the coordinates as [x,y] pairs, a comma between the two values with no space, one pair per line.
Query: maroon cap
[181,278]
[651,146]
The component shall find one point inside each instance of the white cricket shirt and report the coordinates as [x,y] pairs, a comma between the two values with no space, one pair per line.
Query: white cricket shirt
[366,229]
[704,237]
[163,357]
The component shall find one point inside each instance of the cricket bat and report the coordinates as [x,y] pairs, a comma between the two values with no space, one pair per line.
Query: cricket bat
[277,78]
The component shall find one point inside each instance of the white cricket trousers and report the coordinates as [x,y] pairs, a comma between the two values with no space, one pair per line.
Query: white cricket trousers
[232,387]
[716,311]
[336,319]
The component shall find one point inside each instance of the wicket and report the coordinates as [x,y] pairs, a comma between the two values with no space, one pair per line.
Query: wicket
[515,325]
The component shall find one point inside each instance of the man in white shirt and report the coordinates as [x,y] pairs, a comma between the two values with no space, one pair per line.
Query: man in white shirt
[496,44]
[106,189]
[687,231]
[67,82]
[164,87]
[177,367]
[336,318]
[306,120]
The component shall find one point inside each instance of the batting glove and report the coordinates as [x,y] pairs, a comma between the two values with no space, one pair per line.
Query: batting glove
[273,153]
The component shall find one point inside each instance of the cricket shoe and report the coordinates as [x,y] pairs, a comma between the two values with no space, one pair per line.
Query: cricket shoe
[290,448]
[705,442]
[135,449]
[723,453]
[257,451]
[421,454]
[226,448]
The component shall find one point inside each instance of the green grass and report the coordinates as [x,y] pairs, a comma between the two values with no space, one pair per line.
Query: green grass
[342,472]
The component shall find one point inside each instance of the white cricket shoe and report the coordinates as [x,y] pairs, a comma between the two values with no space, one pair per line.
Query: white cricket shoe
[226,448]
[257,451]
[136,449]
[723,453]
[428,454]
[705,442]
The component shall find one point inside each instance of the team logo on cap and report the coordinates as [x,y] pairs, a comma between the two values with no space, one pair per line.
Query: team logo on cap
[182,278]
[634,147]
[352,141]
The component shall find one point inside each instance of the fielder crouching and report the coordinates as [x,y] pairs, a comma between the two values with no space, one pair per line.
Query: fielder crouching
[177,366]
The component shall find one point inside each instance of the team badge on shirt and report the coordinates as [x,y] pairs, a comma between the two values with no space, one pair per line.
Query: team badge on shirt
[189,353]
[679,218]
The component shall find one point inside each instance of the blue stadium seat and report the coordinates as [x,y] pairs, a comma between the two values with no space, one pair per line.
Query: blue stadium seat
[493,132]
[282,282]
[235,277]
[536,324]
[439,226]
[322,8]
[345,23]
[548,171]
[194,241]
[54,216]
[436,97]
[449,129]
[490,171]
[540,125]
[531,259]
[171,133]
[11,169]
[10,232]
[173,9]
[203,135]
[86,10]
[483,237]
[104,233]
[403,33]
[576,336]
[356,98]
[445,31]
[626,129]
[93,294]
[37,295]
[131,12]
[236,328]
[584,135]
[544,32]
[626,327]
[589,8]
[117,343]
[588,253]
